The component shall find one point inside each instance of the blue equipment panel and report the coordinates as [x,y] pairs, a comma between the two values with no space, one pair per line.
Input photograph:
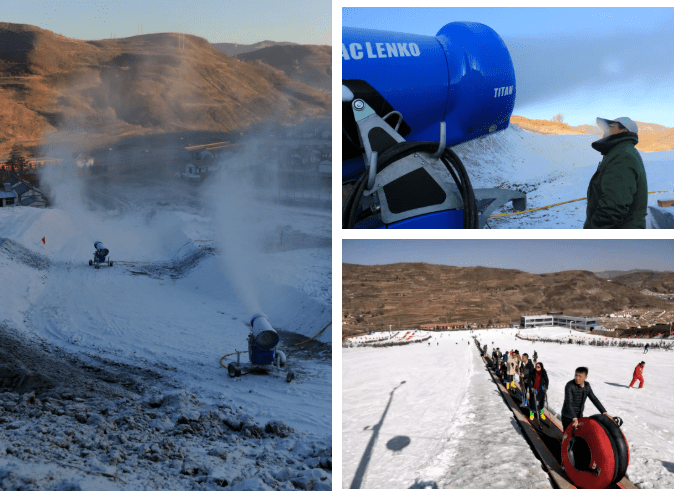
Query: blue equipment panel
[441,219]
[463,76]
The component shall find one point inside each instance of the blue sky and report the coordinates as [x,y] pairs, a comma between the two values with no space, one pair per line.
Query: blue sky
[581,62]
[533,256]
[218,21]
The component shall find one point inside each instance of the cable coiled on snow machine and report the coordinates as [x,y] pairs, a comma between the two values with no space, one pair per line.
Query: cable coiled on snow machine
[399,151]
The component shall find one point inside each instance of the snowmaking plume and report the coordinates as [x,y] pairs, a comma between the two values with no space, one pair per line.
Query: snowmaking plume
[239,225]
[549,67]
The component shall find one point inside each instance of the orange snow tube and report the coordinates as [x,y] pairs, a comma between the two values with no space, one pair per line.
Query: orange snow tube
[596,454]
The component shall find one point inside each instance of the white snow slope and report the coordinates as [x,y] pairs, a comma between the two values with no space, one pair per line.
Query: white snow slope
[170,307]
[446,426]
[550,169]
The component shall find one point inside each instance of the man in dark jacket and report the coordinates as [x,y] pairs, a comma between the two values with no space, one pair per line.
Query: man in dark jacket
[618,192]
[497,357]
[575,394]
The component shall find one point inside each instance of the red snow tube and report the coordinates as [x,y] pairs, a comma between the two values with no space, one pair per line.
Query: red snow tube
[596,454]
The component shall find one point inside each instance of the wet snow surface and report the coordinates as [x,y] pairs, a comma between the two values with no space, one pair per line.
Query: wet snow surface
[447,426]
[550,169]
[111,377]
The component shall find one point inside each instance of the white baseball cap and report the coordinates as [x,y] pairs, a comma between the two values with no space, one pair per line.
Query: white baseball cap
[624,121]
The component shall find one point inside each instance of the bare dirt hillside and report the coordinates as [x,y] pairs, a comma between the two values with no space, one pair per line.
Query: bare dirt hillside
[652,137]
[589,129]
[546,127]
[235,49]
[409,294]
[656,142]
[609,275]
[308,64]
[658,282]
[138,85]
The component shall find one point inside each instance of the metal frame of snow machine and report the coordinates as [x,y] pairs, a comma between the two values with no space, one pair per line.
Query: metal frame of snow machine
[96,263]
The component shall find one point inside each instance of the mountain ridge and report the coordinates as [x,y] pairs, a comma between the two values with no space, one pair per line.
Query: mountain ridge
[147,84]
[410,294]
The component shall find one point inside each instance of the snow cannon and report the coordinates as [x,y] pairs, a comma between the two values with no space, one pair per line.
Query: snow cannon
[100,256]
[595,455]
[262,343]
[406,99]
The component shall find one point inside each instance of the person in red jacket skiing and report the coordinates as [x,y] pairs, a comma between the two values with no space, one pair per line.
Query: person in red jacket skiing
[638,375]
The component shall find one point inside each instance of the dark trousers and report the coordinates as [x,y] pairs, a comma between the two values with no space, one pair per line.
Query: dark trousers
[566,422]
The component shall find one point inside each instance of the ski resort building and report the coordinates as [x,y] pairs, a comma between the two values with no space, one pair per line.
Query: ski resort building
[527,321]
[8,196]
[443,327]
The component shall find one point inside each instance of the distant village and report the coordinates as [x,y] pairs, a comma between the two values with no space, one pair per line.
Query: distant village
[607,322]
[296,161]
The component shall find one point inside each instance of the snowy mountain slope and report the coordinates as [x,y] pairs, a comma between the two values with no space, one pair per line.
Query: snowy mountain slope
[451,410]
[168,306]
[550,169]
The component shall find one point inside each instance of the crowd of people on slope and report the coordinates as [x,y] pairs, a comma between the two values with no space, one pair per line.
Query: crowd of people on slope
[532,376]
[534,383]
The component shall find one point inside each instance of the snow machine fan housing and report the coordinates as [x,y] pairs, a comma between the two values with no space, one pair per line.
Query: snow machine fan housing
[437,91]
[262,341]
[262,352]
[100,255]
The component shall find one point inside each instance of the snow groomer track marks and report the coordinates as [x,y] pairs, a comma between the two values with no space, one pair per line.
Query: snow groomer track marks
[545,439]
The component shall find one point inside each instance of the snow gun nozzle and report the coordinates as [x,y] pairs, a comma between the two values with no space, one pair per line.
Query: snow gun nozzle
[264,335]
[462,76]
[406,100]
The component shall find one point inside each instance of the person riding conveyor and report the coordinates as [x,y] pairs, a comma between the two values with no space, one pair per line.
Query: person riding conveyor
[538,383]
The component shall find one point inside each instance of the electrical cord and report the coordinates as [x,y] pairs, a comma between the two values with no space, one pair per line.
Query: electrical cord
[399,151]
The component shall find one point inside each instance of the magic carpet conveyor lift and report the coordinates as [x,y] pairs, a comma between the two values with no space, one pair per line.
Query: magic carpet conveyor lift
[595,455]
[406,99]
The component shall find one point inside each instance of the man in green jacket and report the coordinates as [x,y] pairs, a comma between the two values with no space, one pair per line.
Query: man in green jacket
[618,192]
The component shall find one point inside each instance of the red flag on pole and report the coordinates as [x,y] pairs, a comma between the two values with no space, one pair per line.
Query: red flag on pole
[43,240]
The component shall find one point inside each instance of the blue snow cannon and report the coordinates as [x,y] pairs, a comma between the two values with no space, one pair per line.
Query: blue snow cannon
[100,256]
[262,352]
[406,99]
[262,341]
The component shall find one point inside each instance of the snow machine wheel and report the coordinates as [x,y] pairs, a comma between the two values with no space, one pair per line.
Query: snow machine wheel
[90,262]
[588,455]
[290,377]
[234,370]
[110,263]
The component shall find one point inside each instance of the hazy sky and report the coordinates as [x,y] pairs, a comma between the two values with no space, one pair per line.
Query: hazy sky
[219,21]
[533,256]
[582,62]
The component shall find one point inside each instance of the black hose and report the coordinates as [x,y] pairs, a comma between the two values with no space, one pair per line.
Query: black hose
[401,150]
